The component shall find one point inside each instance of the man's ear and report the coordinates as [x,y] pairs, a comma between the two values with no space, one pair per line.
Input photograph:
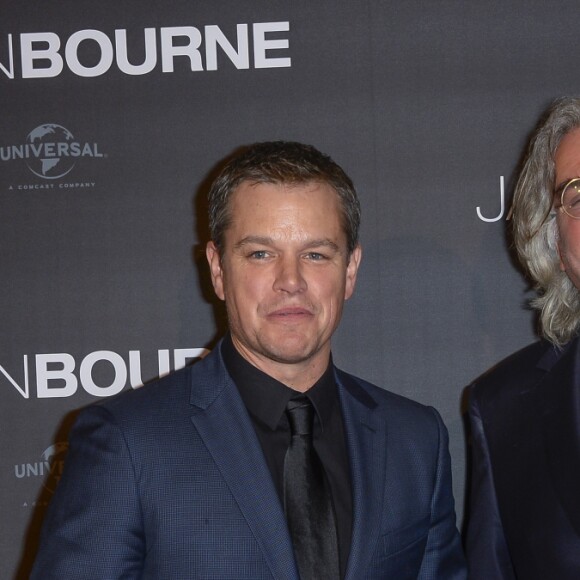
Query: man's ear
[215,267]
[352,270]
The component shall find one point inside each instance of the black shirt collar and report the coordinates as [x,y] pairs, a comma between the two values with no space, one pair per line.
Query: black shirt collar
[266,398]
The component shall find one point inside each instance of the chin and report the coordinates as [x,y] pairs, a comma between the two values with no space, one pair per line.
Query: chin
[291,354]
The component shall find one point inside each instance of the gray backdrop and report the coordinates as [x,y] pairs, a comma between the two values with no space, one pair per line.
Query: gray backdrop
[108,143]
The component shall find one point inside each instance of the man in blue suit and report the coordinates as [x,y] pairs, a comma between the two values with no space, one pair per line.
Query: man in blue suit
[263,460]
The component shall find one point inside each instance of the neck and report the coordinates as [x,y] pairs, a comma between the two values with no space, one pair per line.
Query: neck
[299,376]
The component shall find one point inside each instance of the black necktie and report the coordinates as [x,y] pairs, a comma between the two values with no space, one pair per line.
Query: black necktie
[307,499]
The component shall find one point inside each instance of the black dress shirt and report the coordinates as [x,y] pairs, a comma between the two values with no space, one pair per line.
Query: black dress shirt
[265,399]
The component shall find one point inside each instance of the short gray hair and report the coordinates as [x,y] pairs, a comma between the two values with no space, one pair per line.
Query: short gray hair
[535,229]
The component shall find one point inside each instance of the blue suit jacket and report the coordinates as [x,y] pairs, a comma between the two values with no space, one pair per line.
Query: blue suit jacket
[525,500]
[169,482]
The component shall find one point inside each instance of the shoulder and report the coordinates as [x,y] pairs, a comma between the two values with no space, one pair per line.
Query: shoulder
[514,375]
[413,434]
[163,397]
[400,412]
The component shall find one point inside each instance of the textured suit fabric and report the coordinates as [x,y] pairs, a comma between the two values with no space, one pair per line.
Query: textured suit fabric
[169,482]
[525,498]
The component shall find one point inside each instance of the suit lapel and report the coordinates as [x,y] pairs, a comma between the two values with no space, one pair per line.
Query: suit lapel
[366,447]
[223,423]
[557,401]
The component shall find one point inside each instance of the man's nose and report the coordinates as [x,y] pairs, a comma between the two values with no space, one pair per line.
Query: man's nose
[289,275]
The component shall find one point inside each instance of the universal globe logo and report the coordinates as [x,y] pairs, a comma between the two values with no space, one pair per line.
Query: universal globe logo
[49,468]
[50,152]
[51,146]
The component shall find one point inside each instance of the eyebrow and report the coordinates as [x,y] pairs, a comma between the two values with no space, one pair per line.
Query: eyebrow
[260,240]
[267,241]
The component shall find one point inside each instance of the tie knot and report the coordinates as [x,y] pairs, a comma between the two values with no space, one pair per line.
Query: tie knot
[300,414]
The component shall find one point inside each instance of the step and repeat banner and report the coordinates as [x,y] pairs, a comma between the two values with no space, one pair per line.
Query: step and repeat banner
[115,117]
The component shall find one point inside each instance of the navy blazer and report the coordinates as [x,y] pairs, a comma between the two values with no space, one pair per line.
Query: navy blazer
[170,482]
[525,498]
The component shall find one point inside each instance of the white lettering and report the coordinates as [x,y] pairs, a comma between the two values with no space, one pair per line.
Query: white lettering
[502,203]
[65,373]
[41,51]
[87,377]
[163,356]
[135,369]
[71,53]
[150,53]
[60,367]
[9,72]
[261,45]
[214,36]
[23,391]
[28,55]
[181,356]
[169,50]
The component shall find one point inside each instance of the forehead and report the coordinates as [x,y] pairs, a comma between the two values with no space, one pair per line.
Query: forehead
[310,195]
[567,157]
[272,206]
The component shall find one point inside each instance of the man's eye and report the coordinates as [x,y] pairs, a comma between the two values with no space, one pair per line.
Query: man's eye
[315,256]
[259,254]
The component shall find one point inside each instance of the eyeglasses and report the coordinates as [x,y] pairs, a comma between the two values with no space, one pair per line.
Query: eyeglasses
[570,199]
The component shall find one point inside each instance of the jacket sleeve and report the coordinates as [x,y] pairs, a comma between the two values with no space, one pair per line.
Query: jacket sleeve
[443,558]
[486,546]
[93,527]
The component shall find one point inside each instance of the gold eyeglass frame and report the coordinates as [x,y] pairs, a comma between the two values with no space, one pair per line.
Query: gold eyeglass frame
[562,206]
